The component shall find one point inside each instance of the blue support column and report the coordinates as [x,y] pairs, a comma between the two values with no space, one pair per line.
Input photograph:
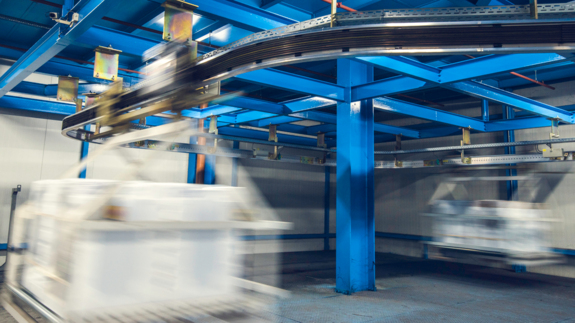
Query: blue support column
[236,145]
[326,208]
[355,251]
[84,148]
[485,110]
[192,157]
[509,136]
[210,170]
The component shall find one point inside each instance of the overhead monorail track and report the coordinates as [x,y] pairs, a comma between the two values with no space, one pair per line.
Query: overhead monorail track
[319,42]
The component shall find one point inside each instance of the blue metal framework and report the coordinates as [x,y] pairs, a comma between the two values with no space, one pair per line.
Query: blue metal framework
[343,109]
[355,252]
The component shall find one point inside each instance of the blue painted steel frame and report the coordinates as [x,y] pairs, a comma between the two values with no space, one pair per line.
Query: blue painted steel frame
[84,149]
[355,251]
[54,41]
[234,180]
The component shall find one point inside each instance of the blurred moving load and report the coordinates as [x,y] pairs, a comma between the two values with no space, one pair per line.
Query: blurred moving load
[102,250]
[492,232]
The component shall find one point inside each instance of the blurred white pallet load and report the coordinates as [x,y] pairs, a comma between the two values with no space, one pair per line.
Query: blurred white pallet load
[134,251]
[150,247]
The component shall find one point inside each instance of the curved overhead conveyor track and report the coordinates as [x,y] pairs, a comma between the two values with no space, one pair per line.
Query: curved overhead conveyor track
[479,30]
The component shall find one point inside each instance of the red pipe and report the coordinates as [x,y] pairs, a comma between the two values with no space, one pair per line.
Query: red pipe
[340,5]
[524,77]
[532,80]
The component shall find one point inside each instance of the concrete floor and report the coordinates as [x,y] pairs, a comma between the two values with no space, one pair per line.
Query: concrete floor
[415,290]
[409,290]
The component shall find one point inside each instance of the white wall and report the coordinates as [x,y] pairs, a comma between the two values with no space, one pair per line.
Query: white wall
[32,148]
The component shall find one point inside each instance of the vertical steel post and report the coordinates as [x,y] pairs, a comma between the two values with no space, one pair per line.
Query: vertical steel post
[192,160]
[326,207]
[236,145]
[84,149]
[333,12]
[485,110]
[210,163]
[355,234]
[201,159]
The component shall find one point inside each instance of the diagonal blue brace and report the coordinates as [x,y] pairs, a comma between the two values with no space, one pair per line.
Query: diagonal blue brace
[355,237]
[90,12]
[422,112]
[482,91]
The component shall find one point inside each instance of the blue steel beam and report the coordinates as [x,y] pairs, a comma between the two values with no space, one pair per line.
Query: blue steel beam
[404,66]
[389,86]
[253,116]
[378,127]
[54,41]
[253,104]
[263,135]
[217,110]
[487,66]
[239,14]
[309,103]
[421,112]
[128,43]
[494,94]
[55,107]
[276,120]
[296,83]
[420,78]
[517,124]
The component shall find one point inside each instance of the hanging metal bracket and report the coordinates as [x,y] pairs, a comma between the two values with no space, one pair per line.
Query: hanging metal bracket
[466,140]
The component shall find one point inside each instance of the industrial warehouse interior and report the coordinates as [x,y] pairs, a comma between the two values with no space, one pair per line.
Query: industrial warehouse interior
[287,161]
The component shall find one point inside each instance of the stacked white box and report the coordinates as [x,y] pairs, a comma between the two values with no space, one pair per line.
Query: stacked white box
[152,255]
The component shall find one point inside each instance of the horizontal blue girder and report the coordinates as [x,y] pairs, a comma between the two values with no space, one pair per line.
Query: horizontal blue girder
[404,66]
[309,103]
[389,86]
[487,66]
[263,135]
[296,83]
[239,14]
[494,94]
[276,120]
[253,104]
[54,41]
[14,102]
[252,116]
[420,78]
[217,110]
[287,236]
[129,44]
[421,112]
[516,124]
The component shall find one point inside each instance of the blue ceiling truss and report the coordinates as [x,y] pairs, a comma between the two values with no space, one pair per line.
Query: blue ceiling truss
[63,51]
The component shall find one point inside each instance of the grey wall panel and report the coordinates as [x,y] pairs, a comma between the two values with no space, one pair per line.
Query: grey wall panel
[294,191]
